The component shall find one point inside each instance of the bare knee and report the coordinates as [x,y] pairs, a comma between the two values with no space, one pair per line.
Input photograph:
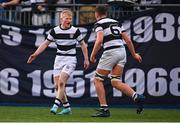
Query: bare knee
[99,78]
[97,82]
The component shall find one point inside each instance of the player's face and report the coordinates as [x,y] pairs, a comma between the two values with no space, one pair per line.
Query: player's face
[66,20]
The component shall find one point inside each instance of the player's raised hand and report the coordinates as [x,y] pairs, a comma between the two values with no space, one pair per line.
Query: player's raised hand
[137,57]
[86,64]
[31,58]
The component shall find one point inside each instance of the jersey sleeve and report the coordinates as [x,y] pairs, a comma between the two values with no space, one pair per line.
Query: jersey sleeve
[78,36]
[51,36]
[122,28]
[98,27]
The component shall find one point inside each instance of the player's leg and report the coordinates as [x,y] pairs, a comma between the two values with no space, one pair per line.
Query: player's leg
[99,79]
[57,101]
[126,89]
[58,65]
[61,74]
[117,83]
[105,65]
[100,75]
[61,96]
[61,93]
[65,74]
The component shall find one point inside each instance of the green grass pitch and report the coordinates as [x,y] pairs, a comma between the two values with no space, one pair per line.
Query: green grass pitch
[41,114]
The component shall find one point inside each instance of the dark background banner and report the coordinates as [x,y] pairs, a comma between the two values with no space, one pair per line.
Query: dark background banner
[155,34]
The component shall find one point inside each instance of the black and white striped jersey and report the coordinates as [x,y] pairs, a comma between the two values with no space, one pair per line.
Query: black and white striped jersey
[112,32]
[65,40]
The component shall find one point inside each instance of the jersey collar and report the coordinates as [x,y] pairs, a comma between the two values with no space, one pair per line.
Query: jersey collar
[65,29]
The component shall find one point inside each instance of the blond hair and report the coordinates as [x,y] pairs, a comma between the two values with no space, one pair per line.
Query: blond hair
[66,11]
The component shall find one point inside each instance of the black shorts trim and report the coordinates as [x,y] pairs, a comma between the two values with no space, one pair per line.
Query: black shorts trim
[113,47]
[60,54]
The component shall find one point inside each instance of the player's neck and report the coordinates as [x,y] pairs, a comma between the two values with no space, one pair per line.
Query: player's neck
[64,27]
[101,17]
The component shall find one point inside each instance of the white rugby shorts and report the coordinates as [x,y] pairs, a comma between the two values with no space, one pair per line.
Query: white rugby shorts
[112,57]
[65,64]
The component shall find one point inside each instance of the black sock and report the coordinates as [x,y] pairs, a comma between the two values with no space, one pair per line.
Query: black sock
[57,102]
[66,105]
[104,107]
[134,96]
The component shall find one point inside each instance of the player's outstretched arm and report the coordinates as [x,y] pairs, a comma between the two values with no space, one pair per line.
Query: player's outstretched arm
[40,49]
[85,53]
[9,3]
[130,45]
